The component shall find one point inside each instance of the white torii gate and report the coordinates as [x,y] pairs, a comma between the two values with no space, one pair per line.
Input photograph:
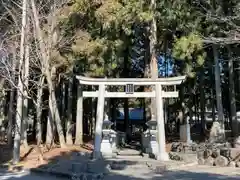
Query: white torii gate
[102,93]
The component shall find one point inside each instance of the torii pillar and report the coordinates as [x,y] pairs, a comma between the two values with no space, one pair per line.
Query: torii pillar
[162,154]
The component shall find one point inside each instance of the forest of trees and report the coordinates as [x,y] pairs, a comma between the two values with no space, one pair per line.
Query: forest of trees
[46,43]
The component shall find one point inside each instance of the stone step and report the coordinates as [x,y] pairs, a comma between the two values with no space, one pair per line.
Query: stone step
[130,157]
[128,152]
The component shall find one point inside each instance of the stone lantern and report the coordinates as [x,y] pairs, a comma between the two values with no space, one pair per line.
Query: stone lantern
[106,146]
[152,130]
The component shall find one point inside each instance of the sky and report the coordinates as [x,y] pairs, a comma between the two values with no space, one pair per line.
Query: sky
[162,66]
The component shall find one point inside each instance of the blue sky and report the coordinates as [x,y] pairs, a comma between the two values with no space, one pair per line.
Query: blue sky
[162,66]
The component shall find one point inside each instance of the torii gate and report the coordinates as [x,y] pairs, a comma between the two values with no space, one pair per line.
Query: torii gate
[129,83]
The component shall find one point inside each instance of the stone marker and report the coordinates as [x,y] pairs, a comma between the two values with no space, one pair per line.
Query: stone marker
[200,154]
[237,143]
[215,153]
[238,164]
[232,164]
[235,154]
[175,156]
[221,161]
[207,153]
[201,161]
[225,152]
[209,161]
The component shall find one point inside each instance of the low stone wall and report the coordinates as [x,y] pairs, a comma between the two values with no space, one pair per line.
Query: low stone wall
[219,156]
[211,154]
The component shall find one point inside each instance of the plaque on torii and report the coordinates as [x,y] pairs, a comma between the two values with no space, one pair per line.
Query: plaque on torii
[129,84]
[129,88]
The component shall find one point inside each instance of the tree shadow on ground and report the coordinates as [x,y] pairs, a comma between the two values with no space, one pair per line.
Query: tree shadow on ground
[121,169]
[180,175]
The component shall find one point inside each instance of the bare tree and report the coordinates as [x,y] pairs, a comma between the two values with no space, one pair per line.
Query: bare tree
[17,137]
[11,100]
[45,49]
[39,111]
[22,61]
[25,90]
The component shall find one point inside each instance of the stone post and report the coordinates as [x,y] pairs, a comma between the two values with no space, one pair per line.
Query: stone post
[162,154]
[113,140]
[185,134]
[99,122]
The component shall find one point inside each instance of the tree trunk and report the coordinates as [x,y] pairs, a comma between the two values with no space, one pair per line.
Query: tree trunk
[25,98]
[87,126]
[126,100]
[63,102]
[50,130]
[11,100]
[17,138]
[39,117]
[126,119]
[114,112]
[93,119]
[165,100]
[69,113]
[202,102]
[213,106]
[147,110]
[218,92]
[10,117]
[153,43]
[79,119]
[88,123]
[54,110]
[233,113]
[2,106]
[39,111]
